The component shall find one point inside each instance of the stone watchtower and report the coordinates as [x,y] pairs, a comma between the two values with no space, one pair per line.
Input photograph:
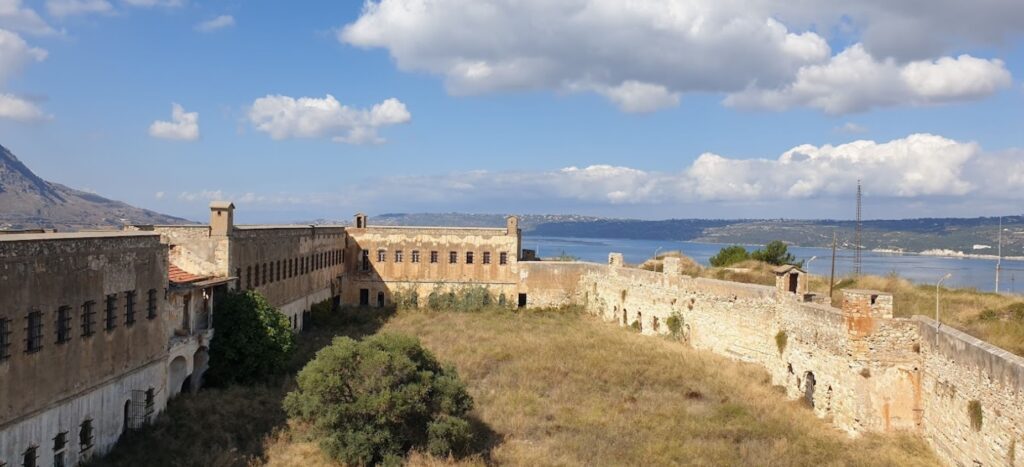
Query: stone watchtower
[360,221]
[222,218]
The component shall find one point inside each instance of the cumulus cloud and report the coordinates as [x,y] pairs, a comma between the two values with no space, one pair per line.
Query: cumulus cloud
[284,117]
[16,17]
[15,108]
[854,81]
[184,126]
[220,22]
[643,56]
[154,3]
[62,8]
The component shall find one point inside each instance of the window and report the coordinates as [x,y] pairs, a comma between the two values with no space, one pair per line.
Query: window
[85,435]
[5,339]
[469,257]
[263,276]
[60,442]
[278,276]
[63,324]
[150,403]
[151,304]
[415,256]
[342,256]
[290,272]
[111,312]
[129,308]
[453,257]
[365,260]
[34,340]
[503,258]
[248,277]
[270,280]
[487,257]
[381,256]
[433,256]
[30,457]
[398,256]
[88,318]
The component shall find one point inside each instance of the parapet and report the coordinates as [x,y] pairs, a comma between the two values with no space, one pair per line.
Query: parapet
[867,303]
[615,260]
[222,218]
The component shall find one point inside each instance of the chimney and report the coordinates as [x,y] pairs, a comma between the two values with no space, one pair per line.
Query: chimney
[222,218]
[511,225]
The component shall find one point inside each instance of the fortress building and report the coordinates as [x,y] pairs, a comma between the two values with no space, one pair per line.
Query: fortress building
[98,330]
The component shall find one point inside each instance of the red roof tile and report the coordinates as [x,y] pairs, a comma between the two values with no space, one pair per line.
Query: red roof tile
[179,276]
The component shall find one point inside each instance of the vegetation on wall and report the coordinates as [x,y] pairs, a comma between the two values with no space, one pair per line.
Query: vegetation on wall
[372,401]
[464,299]
[781,339]
[253,339]
[675,325]
[974,412]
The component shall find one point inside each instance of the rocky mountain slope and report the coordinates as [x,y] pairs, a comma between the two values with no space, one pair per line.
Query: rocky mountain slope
[28,202]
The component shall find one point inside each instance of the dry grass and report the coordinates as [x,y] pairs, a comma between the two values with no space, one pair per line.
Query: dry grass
[689,266]
[749,271]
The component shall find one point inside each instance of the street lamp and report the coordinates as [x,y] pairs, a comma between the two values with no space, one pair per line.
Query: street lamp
[937,322]
[807,267]
[656,252]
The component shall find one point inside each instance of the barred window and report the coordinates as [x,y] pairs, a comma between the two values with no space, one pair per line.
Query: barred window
[365,260]
[503,258]
[63,324]
[381,256]
[433,257]
[398,256]
[150,403]
[469,257]
[60,442]
[415,256]
[129,308]
[30,457]
[88,318]
[34,339]
[111,312]
[278,276]
[487,257]
[5,339]
[85,435]
[453,257]
[248,277]
[151,304]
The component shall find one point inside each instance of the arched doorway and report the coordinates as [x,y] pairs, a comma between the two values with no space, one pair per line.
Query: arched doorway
[809,383]
[127,423]
[200,362]
[625,320]
[176,374]
[380,299]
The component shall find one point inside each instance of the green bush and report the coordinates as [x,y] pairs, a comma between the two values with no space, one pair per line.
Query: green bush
[675,324]
[729,255]
[465,299]
[406,298]
[781,339]
[373,400]
[252,340]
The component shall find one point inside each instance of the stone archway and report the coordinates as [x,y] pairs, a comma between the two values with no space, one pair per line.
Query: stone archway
[200,362]
[177,371]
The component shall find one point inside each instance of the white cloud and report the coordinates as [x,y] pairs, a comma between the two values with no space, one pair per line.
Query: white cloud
[284,117]
[159,195]
[854,81]
[154,3]
[18,109]
[851,128]
[61,8]
[18,18]
[643,56]
[183,126]
[220,22]
[15,53]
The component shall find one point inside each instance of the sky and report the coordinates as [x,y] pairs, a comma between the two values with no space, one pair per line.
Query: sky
[641,109]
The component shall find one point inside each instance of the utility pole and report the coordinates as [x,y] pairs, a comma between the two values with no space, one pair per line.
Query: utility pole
[999,258]
[832,277]
[857,235]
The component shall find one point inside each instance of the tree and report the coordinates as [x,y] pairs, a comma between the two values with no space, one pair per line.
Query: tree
[776,253]
[729,255]
[252,339]
[374,400]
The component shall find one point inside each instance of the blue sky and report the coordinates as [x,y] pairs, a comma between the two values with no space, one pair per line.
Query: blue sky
[491,111]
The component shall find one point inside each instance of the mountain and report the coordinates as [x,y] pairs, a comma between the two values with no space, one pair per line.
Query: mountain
[29,202]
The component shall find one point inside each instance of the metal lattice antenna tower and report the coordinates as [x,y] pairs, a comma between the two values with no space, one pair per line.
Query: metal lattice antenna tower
[857,235]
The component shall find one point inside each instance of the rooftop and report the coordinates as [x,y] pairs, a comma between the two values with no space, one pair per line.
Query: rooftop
[27,237]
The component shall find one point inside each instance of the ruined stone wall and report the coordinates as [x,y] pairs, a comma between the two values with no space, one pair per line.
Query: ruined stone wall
[964,375]
[399,259]
[552,284]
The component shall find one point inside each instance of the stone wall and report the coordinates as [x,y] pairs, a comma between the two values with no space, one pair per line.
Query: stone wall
[857,366]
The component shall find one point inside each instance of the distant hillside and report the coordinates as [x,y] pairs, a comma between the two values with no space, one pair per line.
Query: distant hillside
[27,202]
[910,235]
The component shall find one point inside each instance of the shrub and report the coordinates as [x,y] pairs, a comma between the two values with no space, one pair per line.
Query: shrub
[974,412]
[635,326]
[253,339]
[675,324]
[781,339]
[407,297]
[775,253]
[374,400]
[729,255]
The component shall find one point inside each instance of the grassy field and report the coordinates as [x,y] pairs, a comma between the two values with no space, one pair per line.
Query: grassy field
[551,388]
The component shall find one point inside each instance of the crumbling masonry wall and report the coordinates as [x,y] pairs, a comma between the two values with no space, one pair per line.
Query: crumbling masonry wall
[857,366]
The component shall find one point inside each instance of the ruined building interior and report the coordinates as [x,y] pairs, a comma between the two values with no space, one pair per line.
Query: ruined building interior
[98,330]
